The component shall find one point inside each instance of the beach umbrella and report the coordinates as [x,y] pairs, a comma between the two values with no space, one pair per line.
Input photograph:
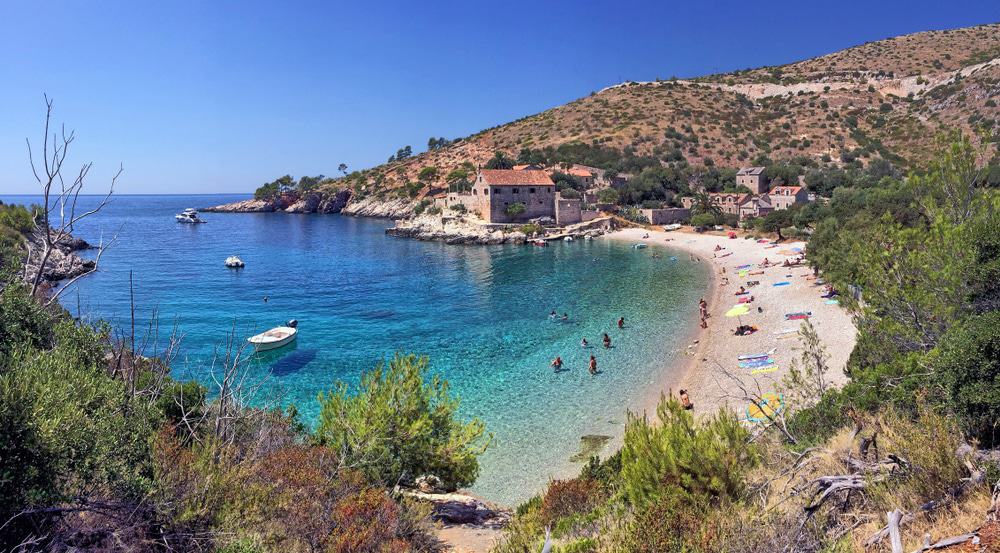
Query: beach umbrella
[737,310]
[769,405]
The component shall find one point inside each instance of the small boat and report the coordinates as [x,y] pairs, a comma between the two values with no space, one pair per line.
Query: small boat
[276,337]
[234,262]
[539,242]
[675,226]
[568,239]
[639,246]
[190,216]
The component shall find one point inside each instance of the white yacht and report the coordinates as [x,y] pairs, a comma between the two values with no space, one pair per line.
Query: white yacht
[234,262]
[190,216]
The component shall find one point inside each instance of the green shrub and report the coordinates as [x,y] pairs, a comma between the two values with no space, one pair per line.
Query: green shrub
[515,209]
[968,368]
[565,498]
[703,220]
[684,458]
[531,228]
[459,208]
[398,426]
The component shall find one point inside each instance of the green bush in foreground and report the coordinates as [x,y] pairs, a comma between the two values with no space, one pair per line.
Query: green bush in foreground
[397,427]
[700,461]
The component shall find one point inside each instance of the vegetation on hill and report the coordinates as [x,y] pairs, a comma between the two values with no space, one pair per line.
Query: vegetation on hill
[912,430]
[882,102]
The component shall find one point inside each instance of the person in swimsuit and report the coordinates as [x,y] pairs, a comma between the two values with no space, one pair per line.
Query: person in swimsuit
[593,365]
[607,341]
[556,364]
[584,343]
[621,322]
[565,316]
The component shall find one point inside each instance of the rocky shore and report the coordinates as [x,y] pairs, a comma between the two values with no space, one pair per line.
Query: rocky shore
[322,202]
[460,230]
[63,263]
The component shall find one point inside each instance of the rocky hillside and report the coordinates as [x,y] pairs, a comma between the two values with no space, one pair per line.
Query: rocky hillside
[886,99]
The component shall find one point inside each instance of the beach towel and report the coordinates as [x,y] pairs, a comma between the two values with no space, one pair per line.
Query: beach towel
[744,300]
[755,355]
[782,283]
[832,302]
[766,408]
[742,267]
[770,369]
[797,316]
[756,364]
[785,331]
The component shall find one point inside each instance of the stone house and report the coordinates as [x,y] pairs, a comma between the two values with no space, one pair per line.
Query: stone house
[755,206]
[584,176]
[784,197]
[728,202]
[497,189]
[752,178]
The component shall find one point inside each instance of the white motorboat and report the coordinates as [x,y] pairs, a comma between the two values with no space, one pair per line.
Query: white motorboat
[234,262]
[639,246]
[276,337]
[568,239]
[190,216]
[675,226]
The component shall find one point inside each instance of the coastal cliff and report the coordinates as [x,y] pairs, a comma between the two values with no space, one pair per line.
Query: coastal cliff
[341,201]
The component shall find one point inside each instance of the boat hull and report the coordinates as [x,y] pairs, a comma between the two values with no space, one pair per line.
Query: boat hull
[273,339]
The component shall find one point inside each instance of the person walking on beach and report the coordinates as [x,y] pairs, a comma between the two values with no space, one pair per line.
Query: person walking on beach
[556,364]
[593,365]
[607,341]
[621,322]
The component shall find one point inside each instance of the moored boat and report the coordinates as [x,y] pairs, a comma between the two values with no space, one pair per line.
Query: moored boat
[189,216]
[234,262]
[276,337]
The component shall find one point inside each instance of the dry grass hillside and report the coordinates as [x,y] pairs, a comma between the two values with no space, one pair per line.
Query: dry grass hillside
[886,99]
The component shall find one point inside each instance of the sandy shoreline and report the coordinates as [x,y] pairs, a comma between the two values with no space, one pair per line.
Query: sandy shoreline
[696,367]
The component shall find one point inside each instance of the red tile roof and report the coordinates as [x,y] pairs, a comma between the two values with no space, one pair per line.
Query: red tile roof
[580,173]
[509,177]
[786,190]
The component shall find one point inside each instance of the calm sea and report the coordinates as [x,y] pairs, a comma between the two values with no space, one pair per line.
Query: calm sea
[480,313]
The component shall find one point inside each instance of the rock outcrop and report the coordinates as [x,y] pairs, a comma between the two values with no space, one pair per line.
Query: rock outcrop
[244,206]
[63,263]
[322,202]
[459,230]
[457,508]
[373,207]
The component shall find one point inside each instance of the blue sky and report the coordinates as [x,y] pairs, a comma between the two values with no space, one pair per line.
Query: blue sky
[198,97]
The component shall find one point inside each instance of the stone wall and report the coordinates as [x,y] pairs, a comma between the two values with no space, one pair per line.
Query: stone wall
[567,211]
[666,216]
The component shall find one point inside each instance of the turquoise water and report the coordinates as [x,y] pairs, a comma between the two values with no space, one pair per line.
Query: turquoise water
[480,314]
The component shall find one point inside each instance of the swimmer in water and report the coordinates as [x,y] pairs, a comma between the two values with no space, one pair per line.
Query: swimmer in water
[607,341]
[584,343]
[553,314]
[565,316]
[621,322]
[556,364]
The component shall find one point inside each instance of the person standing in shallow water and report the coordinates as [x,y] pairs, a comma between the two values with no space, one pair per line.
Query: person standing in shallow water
[556,364]
[621,322]
[593,365]
[607,341]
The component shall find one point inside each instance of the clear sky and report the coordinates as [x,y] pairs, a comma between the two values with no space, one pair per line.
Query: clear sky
[200,96]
